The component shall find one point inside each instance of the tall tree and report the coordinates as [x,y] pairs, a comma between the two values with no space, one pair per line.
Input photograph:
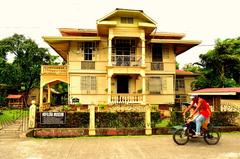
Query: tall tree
[192,68]
[221,66]
[25,69]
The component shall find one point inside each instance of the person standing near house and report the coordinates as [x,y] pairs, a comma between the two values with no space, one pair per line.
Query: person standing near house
[203,109]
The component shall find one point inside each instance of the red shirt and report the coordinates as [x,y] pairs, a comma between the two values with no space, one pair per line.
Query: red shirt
[205,109]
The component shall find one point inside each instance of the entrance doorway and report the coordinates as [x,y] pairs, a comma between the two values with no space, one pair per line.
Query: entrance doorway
[122,84]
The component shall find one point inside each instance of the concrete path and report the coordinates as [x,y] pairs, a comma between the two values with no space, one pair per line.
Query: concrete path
[139,147]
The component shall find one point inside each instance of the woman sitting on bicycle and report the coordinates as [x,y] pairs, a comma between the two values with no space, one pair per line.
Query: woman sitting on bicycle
[203,109]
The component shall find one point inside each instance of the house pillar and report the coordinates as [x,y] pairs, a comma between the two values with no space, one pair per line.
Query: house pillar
[109,89]
[41,99]
[148,129]
[92,130]
[49,93]
[110,51]
[32,116]
[143,87]
[143,51]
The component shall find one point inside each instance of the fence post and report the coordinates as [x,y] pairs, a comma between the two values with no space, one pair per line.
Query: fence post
[32,115]
[148,129]
[92,131]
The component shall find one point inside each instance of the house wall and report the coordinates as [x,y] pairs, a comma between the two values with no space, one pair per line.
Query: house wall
[76,56]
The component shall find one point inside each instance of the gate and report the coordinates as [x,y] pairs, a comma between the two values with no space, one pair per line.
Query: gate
[13,121]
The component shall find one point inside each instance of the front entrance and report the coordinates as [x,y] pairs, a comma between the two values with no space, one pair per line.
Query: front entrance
[122,84]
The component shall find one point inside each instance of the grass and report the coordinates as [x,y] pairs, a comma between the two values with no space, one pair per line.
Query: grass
[10,115]
[163,123]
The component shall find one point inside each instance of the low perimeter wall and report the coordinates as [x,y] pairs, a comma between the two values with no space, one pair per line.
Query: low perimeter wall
[78,132]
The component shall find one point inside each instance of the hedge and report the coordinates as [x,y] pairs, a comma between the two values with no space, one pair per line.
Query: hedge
[217,119]
[104,120]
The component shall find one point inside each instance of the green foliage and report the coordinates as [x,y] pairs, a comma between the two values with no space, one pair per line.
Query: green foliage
[24,71]
[177,66]
[192,68]
[176,118]
[78,104]
[119,120]
[224,118]
[102,106]
[73,120]
[66,108]
[217,119]
[220,66]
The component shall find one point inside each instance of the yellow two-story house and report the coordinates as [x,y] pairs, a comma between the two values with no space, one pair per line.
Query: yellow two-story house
[124,61]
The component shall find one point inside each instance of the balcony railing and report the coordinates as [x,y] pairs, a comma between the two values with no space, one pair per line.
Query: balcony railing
[126,60]
[54,69]
[126,98]
[88,65]
[157,66]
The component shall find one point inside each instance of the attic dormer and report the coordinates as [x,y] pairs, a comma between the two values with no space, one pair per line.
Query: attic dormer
[126,18]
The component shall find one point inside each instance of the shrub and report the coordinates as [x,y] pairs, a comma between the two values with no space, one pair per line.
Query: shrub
[217,118]
[224,118]
[73,120]
[119,120]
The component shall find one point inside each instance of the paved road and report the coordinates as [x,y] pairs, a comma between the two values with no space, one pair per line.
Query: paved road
[140,147]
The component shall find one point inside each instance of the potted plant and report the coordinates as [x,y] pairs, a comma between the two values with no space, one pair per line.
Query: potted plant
[79,105]
[66,108]
[102,107]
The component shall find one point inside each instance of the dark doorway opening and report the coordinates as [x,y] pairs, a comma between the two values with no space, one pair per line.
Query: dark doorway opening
[122,84]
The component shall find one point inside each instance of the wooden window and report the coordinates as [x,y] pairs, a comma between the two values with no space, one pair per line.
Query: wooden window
[88,84]
[88,49]
[180,83]
[127,20]
[156,85]
[157,53]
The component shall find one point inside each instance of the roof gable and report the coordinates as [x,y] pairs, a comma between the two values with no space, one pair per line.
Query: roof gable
[119,12]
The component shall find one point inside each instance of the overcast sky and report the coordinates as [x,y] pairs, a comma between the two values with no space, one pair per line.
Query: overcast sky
[204,20]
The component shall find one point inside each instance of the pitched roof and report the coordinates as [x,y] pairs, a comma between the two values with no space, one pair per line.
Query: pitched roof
[218,91]
[182,72]
[13,96]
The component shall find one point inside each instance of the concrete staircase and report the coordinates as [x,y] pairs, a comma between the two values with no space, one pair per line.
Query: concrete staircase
[12,131]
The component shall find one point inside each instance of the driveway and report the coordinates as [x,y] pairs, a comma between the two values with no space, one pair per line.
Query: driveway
[133,147]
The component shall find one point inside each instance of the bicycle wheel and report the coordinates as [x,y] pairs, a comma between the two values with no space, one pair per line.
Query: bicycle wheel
[181,137]
[211,136]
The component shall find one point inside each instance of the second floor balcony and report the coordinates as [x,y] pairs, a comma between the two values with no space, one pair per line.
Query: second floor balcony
[54,69]
[126,60]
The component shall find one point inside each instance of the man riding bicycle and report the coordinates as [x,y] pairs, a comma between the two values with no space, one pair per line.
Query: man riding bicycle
[203,109]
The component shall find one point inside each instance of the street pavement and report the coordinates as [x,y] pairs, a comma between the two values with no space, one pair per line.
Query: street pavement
[125,147]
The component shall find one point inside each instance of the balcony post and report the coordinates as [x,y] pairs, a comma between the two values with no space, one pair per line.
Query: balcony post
[109,89]
[144,90]
[110,51]
[41,99]
[49,93]
[143,51]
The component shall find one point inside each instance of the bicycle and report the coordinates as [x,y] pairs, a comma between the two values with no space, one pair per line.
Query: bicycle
[210,135]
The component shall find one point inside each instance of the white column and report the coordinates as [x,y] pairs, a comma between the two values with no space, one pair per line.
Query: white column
[92,131]
[143,51]
[32,115]
[148,129]
[109,89]
[110,51]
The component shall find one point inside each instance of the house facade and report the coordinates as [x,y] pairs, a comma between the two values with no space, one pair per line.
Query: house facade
[123,61]
[183,85]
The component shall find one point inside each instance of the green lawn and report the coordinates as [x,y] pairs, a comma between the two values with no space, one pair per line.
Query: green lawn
[163,123]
